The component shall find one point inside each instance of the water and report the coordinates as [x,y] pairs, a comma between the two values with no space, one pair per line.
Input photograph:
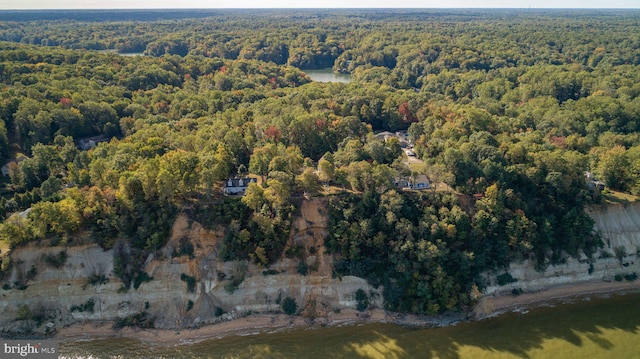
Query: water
[327,75]
[600,328]
[113,51]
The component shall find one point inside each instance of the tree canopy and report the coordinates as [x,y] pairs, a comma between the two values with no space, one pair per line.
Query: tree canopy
[508,109]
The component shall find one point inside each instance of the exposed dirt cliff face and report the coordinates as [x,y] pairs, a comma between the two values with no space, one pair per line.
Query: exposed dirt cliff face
[619,226]
[60,296]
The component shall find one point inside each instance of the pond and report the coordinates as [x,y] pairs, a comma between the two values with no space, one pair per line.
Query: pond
[327,75]
[113,51]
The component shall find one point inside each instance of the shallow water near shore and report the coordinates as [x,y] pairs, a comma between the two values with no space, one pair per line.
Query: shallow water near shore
[327,75]
[598,328]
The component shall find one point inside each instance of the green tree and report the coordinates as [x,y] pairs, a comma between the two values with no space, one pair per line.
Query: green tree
[613,168]
[289,306]
[309,181]
[326,168]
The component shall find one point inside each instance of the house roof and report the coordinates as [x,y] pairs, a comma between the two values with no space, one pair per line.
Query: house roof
[239,182]
[384,135]
[421,179]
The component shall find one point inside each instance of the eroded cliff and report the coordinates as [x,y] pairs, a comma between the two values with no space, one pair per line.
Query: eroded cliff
[222,290]
[619,226]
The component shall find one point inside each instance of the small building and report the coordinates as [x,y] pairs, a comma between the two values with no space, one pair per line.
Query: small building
[403,137]
[237,185]
[6,170]
[382,136]
[402,183]
[88,143]
[421,182]
[593,183]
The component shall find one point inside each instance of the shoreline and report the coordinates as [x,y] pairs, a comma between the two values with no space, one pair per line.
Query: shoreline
[242,326]
[494,305]
[489,306]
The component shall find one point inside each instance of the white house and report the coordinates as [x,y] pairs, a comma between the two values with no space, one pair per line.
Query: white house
[421,182]
[237,185]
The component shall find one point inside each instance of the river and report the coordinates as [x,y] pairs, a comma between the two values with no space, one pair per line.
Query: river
[599,328]
[327,75]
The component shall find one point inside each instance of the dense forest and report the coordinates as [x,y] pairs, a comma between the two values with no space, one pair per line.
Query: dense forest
[508,111]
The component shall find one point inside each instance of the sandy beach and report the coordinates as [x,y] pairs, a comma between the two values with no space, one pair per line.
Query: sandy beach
[488,306]
[252,324]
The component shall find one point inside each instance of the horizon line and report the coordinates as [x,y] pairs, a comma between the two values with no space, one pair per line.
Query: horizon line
[325,8]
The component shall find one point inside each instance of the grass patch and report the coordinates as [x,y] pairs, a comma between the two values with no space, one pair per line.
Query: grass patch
[4,248]
[610,196]
[331,190]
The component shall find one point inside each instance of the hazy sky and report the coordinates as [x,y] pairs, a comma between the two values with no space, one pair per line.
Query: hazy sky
[159,4]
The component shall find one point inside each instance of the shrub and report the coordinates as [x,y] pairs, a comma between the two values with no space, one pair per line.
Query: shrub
[24,313]
[57,260]
[140,320]
[303,268]
[631,277]
[604,254]
[294,251]
[189,305]
[618,277]
[237,277]
[505,278]
[620,252]
[141,277]
[219,311]
[191,282]
[362,300]
[31,273]
[86,307]
[20,285]
[6,264]
[96,279]
[185,248]
[289,306]
[230,287]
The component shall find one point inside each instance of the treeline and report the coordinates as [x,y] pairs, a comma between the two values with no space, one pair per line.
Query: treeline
[510,129]
[410,44]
